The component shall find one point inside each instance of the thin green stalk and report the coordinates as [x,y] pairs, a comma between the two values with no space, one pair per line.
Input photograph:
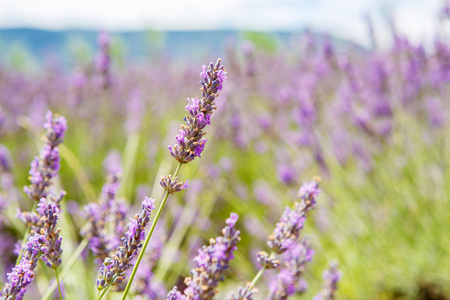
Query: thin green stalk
[102,293]
[59,286]
[147,239]
[67,267]
[257,276]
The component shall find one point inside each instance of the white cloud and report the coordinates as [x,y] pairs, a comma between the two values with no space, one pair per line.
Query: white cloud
[343,18]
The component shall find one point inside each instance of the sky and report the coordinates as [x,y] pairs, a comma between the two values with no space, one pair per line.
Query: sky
[341,18]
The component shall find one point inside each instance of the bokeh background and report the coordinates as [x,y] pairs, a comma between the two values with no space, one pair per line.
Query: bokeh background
[352,91]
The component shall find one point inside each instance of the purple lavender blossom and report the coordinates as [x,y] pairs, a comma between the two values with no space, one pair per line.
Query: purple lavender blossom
[46,166]
[331,278]
[190,141]
[174,294]
[95,231]
[211,262]
[99,216]
[51,248]
[112,272]
[172,185]
[289,279]
[5,160]
[23,273]
[288,229]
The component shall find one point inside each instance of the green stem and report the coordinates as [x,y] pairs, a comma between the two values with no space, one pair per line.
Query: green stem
[67,267]
[257,276]
[102,293]
[147,239]
[59,286]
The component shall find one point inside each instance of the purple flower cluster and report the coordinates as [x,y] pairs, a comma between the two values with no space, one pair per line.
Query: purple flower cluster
[112,271]
[172,185]
[23,273]
[284,240]
[288,229]
[46,166]
[51,247]
[190,141]
[331,278]
[109,210]
[289,279]
[211,262]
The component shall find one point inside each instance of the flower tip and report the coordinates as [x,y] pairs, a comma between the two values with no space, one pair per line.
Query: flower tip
[231,221]
[185,185]
[148,203]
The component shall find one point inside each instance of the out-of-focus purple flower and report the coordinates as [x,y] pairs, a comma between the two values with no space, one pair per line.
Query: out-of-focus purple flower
[103,61]
[287,173]
[282,285]
[135,112]
[331,278]
[95,231]
[112,162]
[435,112]
[175,294]
[112,272]
[289,280]
[211,262]
[5,160]
[190,141]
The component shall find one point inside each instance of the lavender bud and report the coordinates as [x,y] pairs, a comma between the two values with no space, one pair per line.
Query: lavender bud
[172,185]
[244,294]
[266,261]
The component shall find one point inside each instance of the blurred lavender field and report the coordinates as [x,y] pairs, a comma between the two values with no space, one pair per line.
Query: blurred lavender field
[371,122]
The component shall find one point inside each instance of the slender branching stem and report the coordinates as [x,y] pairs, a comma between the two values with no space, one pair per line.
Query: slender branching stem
[147,239]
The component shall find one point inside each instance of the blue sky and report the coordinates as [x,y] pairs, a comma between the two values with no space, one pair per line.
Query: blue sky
[342,18]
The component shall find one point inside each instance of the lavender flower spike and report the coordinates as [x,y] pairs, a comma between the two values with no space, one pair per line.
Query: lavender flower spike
[46,166]
[112,272]
[190,141]
[331,278]
[23,273]
[51,248]
[211,261]
[289,279]
[291,222]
